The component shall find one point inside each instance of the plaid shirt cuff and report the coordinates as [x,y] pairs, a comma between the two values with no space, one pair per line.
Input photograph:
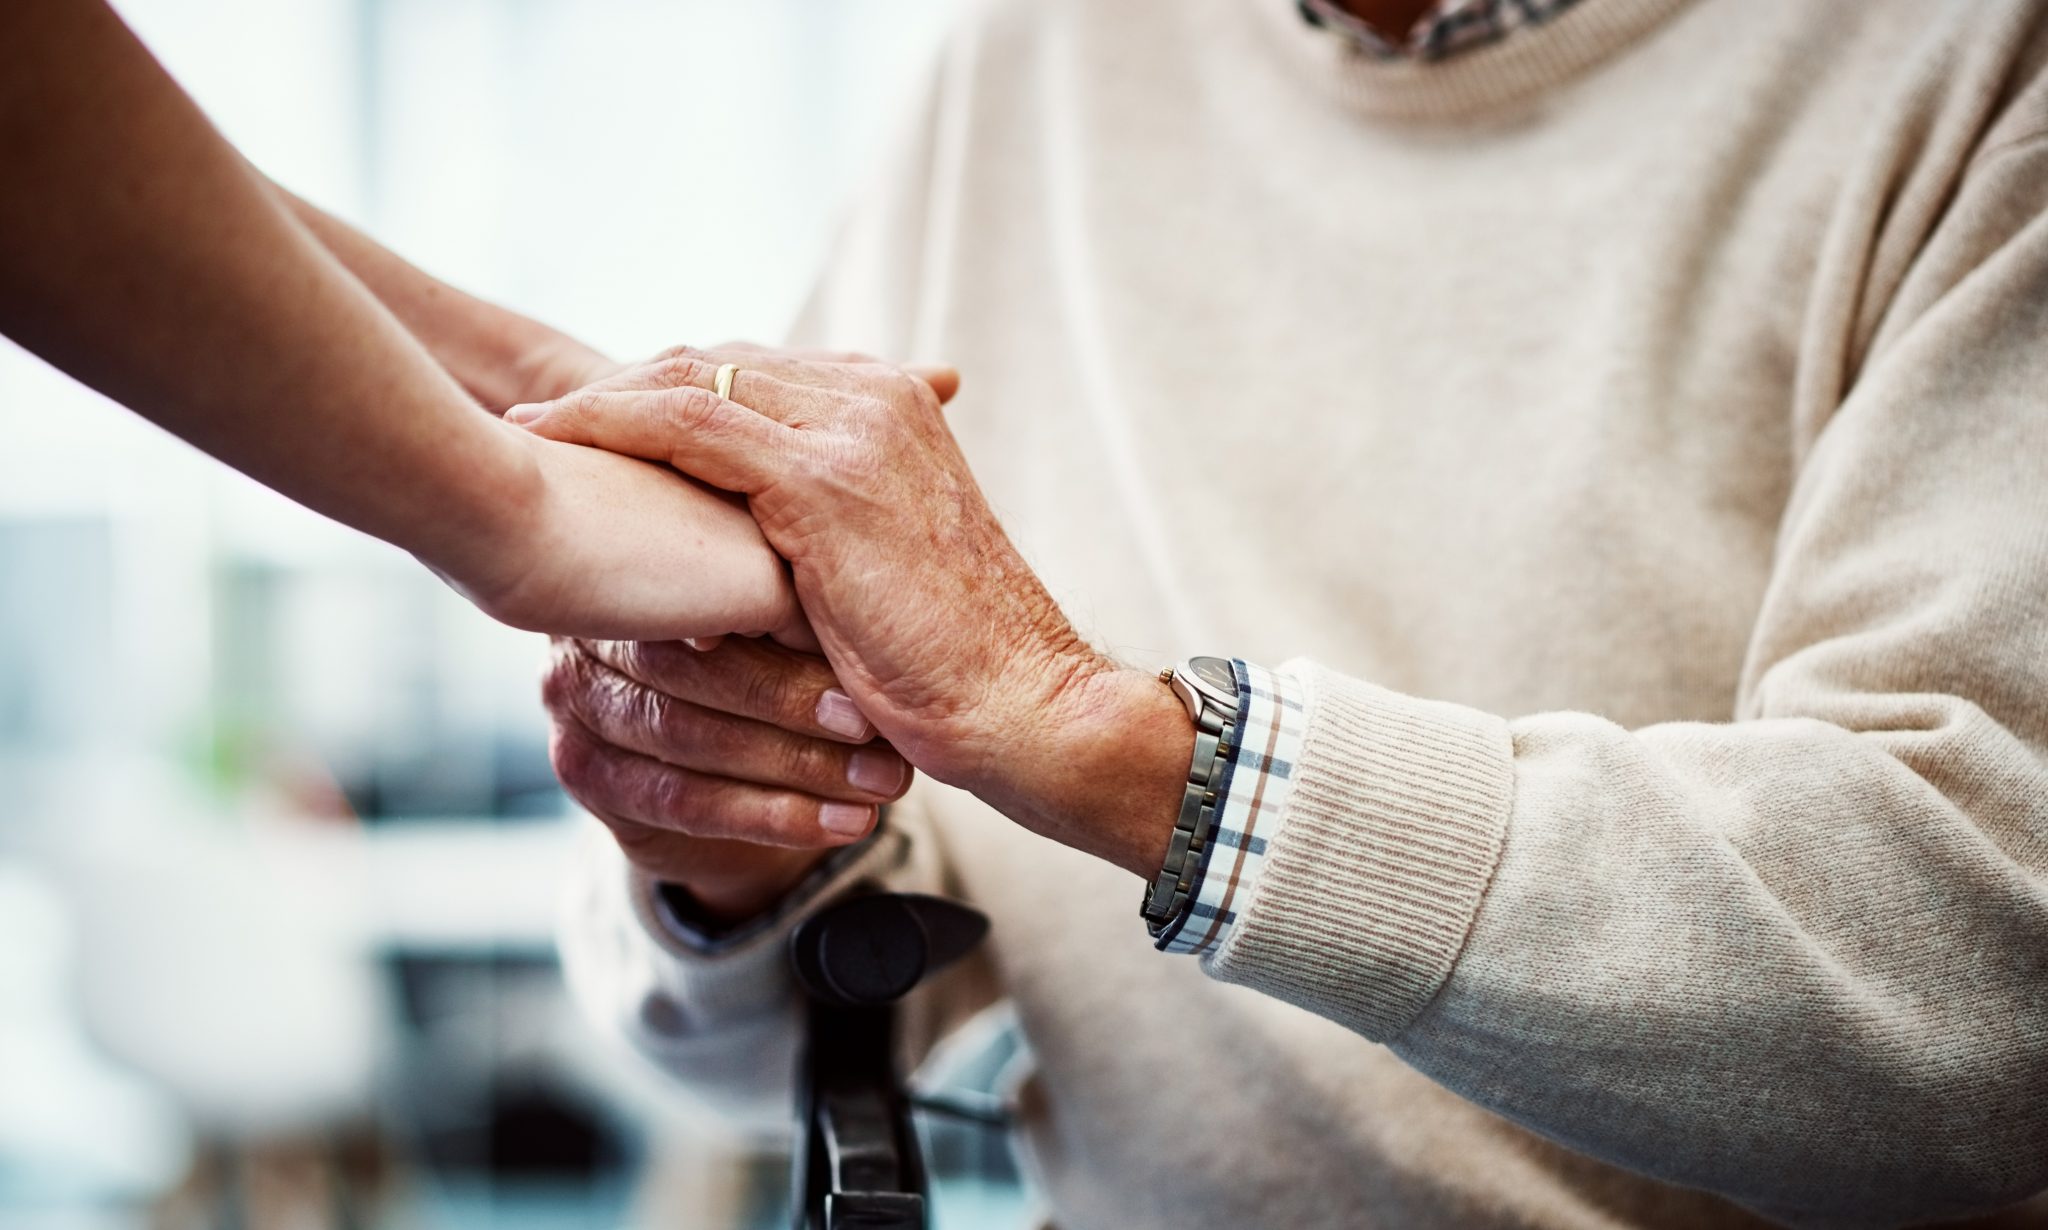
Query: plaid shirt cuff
[1251,805]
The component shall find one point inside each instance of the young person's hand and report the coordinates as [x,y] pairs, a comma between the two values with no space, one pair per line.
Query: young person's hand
[601,545]
[730,771]
[498,356]
[609,547]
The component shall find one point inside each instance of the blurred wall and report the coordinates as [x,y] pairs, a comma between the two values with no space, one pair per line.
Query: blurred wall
[277,834]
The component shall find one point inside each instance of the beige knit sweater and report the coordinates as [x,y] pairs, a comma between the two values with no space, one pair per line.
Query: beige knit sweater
[1646,421]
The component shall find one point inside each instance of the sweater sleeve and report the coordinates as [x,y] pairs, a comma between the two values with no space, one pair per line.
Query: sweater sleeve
[1799,958]
[722,1020]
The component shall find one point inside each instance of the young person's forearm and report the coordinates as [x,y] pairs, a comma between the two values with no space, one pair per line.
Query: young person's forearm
[500,356]
[141,254]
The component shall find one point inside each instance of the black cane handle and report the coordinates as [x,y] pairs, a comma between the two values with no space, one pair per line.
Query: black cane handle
[859,1166]
[873,948]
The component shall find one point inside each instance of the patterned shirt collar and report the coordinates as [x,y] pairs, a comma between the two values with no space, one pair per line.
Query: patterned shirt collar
[1449,27]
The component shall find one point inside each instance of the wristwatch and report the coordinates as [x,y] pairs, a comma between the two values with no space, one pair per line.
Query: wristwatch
[1208,687]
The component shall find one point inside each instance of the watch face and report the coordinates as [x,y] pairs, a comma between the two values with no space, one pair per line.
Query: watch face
[1216,673]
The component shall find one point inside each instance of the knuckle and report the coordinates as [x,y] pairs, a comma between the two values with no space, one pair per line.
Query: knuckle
[576,686]
[559,678]
[807,761]
[705,809]
[683,351]
[648,662]
[677,799]
[852,460]
[771,695]
[783,818]
[691,409]
[658,718]
[901,388]
[582,404]
[575,758]
[605,702]
[882,430]
[680,369]
[621,656]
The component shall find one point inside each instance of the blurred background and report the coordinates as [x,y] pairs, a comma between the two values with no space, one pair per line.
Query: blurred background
[279,845]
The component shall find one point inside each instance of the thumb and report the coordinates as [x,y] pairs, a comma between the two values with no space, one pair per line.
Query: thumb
[943,377]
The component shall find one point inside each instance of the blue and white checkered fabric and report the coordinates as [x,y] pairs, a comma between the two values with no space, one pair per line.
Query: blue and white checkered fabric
[1251,806]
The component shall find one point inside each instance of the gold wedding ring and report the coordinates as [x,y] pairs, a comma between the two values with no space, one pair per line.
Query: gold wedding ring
[722,382]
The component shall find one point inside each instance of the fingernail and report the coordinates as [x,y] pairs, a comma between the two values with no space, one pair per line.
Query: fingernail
[838,714]
[875,771]
[521,415]
[845,819]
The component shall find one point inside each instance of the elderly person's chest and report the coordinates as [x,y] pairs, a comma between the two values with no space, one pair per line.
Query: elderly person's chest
[1508,433]
[1459,488]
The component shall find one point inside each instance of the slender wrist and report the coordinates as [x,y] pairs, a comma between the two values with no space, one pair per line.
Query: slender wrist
[505,359]
[1100,768]
[547,365]
[500,357]
[494,494]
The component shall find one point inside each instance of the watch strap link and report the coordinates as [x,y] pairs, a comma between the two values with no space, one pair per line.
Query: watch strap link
[1166,899]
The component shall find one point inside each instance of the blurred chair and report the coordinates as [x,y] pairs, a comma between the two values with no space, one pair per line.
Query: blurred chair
[227,970]
[74,1131]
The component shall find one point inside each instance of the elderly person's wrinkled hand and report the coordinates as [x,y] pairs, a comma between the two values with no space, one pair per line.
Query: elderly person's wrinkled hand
[729,770]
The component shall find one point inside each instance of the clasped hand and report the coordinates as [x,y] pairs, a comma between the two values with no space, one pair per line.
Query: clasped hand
[729,767]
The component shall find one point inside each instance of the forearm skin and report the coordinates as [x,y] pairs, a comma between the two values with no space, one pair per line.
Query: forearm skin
[142,255]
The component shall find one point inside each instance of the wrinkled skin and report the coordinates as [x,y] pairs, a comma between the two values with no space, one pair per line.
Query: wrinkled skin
[716,769]
[930,619]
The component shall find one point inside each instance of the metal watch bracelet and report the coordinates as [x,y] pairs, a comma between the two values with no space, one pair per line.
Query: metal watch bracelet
[1214,705]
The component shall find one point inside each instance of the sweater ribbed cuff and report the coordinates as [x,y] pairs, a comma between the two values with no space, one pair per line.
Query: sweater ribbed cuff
[748,977]
[1392,832]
